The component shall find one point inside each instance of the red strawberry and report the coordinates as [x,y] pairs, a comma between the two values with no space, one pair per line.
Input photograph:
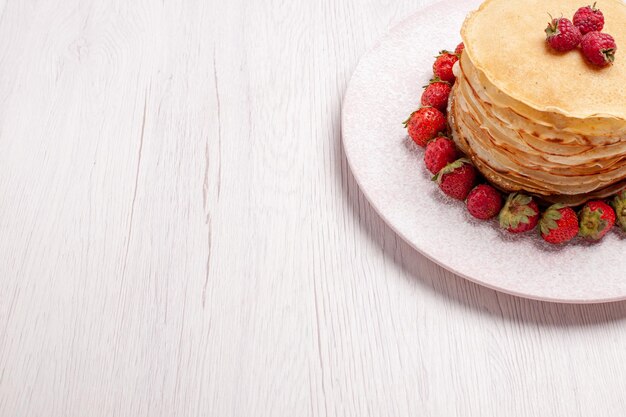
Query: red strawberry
[484,202]
[439,153]
[459,49]
[596,220]
[520,214]
[559,224]
[425,124]
[589,19]
[436,94]
[619,204]
[599,48]
[443,66]
[562,35]
[457,179]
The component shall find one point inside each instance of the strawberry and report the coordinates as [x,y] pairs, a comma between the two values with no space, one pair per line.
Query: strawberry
[619,204]
[596,220]
[443,66]
[439,153]
[484,202]
[520,214]
[457,179]
[459,49]
[559,224]
[425,124]
[589,19]
[599,48]
[562,35]
[436,94]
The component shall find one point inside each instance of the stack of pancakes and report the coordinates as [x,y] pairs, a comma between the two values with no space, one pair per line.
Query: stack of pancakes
[534,120]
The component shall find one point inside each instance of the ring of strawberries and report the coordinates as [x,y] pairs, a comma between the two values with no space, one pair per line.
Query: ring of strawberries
[459,179]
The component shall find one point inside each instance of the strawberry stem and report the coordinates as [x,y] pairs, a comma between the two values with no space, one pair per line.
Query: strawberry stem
[609,55]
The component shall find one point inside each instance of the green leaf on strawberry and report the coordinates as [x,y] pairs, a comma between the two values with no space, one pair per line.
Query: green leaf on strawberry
[450,168]
[550,217]
[619,204]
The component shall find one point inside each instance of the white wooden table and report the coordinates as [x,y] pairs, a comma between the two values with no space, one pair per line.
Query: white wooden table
[180,234]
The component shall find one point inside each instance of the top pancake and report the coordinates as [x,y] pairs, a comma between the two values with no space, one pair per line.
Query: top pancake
[505,41]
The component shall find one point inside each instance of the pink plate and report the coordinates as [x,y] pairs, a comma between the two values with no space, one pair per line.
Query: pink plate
[383,91]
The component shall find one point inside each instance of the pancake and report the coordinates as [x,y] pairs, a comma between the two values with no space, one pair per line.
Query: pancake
[532,120]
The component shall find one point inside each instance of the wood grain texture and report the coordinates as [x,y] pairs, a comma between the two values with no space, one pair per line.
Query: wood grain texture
[180,234]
